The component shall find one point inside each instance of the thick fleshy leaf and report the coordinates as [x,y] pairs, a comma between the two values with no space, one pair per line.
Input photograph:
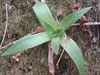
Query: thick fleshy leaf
[55,43]
[43,13]
[28,42]
[74,52]
[72,18]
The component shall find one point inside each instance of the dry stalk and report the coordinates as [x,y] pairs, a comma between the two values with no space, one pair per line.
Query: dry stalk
[5,26]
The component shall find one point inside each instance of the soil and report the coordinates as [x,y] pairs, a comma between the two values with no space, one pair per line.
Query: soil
[23,21]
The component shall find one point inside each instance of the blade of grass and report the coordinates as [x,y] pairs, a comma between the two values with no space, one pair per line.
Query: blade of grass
[74,52]
[55,43]
[72,18]
[43,13]
[28,42]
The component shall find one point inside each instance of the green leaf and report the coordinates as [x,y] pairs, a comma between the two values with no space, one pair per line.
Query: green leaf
[72,18]
[49,29]
[59,32]
[28,42]
[43,13]
[55,43]
[74,52]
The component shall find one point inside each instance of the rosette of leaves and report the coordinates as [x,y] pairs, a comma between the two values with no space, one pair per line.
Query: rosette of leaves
[54,33]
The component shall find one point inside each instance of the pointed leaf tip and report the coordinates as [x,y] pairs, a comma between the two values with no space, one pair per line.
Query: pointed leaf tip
[75,53]
[72,18]
[28,42]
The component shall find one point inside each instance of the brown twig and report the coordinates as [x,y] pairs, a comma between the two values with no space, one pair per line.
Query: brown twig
[57,21]
[98,5]
[50,59]
[5,26]
[98,36]
[60,58]
[88,24]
